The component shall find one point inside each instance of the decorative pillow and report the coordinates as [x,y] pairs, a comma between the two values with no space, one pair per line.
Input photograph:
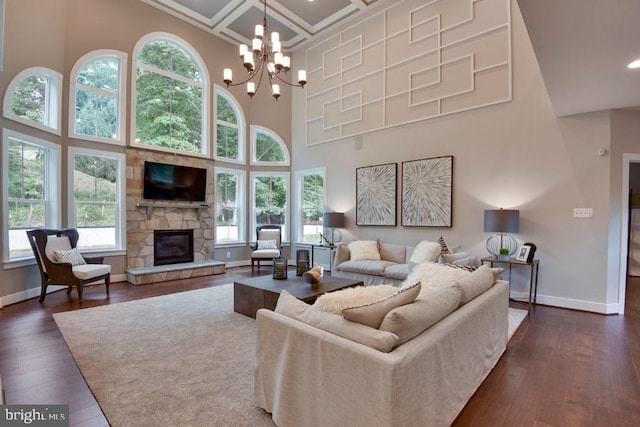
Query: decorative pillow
[364,250]
[292,307]
[475,283]
[335,302]
[433,275]
[410,320]
[465,267]
[372,314]
[71,256]
[443,246]
[425,251]
[342,254]
[451,257]
[267,244]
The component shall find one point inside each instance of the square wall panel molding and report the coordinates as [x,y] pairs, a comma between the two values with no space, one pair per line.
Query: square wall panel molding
[413,61]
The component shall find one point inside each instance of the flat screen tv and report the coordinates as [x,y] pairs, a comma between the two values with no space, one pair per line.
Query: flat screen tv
[172,182]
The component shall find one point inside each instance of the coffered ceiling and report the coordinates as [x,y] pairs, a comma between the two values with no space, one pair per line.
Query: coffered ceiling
[297,21]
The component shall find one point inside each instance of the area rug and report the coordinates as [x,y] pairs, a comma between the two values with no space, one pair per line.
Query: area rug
[181,359]
[516,317]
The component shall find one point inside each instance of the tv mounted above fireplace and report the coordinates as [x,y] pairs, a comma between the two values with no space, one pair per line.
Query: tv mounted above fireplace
[173,182]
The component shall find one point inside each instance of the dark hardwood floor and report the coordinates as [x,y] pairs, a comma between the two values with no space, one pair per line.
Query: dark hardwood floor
[561,368]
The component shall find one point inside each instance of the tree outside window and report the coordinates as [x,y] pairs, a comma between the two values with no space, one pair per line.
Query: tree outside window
[229,197]
[271,200]
[170,98]
[229,143]
[313,202]
[268,147]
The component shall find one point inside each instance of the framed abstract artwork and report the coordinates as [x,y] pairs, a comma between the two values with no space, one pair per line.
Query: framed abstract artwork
[376,188]
[426,192]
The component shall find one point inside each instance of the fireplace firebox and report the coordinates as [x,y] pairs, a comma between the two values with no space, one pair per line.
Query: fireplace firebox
[172,246]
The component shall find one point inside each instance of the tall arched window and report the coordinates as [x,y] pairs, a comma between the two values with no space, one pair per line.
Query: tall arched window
[229,124]
[34,98]
[96,97]
[267,148]
[170,96]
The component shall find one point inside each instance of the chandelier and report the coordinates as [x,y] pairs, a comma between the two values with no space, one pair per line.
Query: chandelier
[265,54]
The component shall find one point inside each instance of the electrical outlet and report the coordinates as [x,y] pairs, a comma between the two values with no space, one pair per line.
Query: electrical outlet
[582,212]
[228,254]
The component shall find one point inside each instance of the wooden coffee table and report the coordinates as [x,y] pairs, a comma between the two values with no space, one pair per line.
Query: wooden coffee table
[250,295]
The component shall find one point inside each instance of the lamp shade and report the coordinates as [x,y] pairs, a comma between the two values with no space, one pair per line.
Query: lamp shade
[501,221]
[333,219]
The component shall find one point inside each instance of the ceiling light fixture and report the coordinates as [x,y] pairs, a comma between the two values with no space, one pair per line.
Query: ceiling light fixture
[265,52]
[634,64]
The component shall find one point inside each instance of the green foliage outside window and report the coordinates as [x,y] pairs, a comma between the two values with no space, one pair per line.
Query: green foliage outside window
[169,109]
[312,205]
[268,149]
[95,191]
[227,201]
[271,199]
[227,136]
[26,187]
[29,98]
[96,114]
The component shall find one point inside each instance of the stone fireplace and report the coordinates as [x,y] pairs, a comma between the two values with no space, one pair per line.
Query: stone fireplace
[172,246]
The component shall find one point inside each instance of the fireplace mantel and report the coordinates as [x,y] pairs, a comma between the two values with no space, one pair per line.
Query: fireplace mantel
[150,206]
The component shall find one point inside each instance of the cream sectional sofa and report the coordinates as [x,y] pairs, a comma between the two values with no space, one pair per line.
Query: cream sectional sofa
[322,370]
[395,262]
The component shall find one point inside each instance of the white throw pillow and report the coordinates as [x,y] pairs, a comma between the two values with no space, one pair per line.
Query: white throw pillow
[364,250]
[426,251]
[335,302]
[267,244]
[435,276]
[72,256]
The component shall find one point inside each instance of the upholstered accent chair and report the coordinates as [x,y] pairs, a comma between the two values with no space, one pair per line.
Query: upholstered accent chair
[60,263]
[268,244]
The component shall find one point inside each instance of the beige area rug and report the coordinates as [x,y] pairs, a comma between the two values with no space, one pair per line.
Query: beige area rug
[184,359]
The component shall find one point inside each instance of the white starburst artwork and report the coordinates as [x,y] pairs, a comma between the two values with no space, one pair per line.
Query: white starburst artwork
[426,192]
[376,194]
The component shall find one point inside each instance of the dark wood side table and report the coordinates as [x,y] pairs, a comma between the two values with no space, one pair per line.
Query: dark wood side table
[255,293]
[534,267]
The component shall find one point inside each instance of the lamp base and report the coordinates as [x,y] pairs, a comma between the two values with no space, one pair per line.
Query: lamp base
[508,242]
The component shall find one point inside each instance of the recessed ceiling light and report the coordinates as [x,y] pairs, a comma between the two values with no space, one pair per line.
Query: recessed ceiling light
[634,64]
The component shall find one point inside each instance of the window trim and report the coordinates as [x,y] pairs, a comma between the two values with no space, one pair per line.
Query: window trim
[120,96]
[287,211]
[299,199]
[254,162]
[53,189]
[53,100]
[242,204]
[121,220]
[240,126]
[205,85]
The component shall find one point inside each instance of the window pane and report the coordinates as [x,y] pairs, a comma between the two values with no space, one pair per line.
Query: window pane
[96,115]
[227,142]
[168,113]
[270,200]
[101,73]
[312,206]
[26,215]
[26,171]
[95,189]
[169,57]
[225,111]
[227,207]
[268,149]
[29,99]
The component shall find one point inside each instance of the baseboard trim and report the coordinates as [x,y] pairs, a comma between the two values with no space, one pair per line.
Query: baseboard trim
[572,304]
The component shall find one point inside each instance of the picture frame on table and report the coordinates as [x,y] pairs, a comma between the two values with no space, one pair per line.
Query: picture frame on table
[523,253]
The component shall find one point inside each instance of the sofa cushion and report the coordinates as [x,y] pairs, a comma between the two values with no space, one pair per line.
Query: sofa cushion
[475,283]
[410,320]
[392,252]
[372,314]
[365,267]
[396,271]
[342,254]
[292,307]
[364,250]
[434,275]
[337,301]
[425,251]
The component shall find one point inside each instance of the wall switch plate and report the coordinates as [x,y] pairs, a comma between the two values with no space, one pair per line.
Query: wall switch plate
[582,212]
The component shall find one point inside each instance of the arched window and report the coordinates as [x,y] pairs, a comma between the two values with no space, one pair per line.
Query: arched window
[96,97]
[230,127]
[267,148]
[34,97]
[170,97]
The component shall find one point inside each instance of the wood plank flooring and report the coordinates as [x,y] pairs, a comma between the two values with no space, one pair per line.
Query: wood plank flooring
[561,368]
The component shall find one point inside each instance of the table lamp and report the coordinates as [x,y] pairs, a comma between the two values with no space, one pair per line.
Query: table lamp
[333,220]
[501,221]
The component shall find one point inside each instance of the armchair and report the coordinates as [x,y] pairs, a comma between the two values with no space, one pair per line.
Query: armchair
[265,248]
[49,244]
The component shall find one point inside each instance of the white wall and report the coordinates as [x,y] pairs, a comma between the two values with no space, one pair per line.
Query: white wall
[512,155]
